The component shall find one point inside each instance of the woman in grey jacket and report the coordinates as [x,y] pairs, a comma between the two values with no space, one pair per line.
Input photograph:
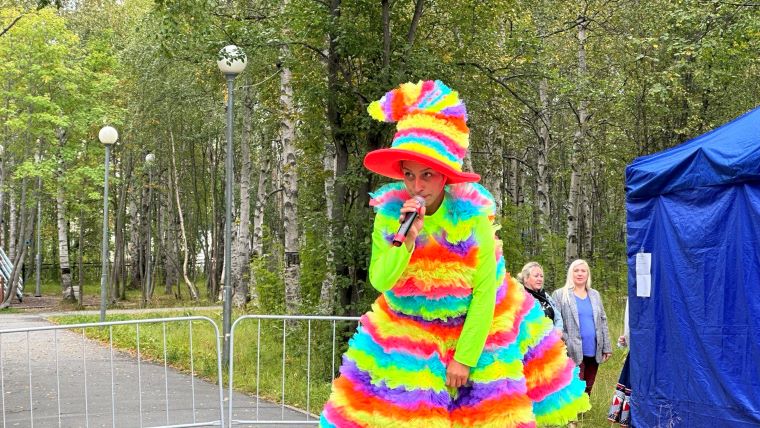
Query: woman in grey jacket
[585,323]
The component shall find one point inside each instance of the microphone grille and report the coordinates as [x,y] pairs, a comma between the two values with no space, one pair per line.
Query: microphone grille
[420,199]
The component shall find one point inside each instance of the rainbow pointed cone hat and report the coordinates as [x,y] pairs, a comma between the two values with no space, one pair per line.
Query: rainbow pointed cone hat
[431,129]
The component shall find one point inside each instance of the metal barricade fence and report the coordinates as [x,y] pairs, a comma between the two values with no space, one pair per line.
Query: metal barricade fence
[62,385]
[298,354]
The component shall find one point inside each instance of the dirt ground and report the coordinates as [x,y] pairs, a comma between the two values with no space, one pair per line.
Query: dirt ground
[44,303]
[49,303]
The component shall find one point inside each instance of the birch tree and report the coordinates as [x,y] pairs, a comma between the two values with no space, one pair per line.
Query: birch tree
[241,254]
[327,291]
[62,222]
[542,179]
[190,286]
[290,190]
[27,228]
[264,160]
[576,157]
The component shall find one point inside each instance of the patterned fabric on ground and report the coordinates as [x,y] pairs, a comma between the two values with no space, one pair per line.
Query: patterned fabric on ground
[394,372]
[620,409]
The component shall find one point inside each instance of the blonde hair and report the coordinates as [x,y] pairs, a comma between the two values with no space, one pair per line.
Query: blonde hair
[525,272]
[569,285]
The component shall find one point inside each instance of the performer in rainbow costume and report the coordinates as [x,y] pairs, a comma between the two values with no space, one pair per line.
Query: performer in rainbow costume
[446,300]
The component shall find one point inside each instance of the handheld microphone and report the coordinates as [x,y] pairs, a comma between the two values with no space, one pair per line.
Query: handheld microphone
[403,230]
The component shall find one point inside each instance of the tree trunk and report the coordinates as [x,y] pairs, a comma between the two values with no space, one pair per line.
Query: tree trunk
[12,222]
[242,253]
[26,234]
[201,194]
[21,247]
[63,229]
[212,281]
[218,253]
[495,170]
[342,145]
[63,245]
[386,17]
[573,200]
[571,246]
[514,188]
[588,222]
[135,245]
[146,212]
[169,242]
[290,190]
[467,162]
[327,292]
[2,202]
[257,239]
[190,285]
[80,257]
[542,179]
[119,258]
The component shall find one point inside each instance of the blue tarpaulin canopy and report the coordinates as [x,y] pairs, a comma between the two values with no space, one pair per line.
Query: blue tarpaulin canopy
[695,342]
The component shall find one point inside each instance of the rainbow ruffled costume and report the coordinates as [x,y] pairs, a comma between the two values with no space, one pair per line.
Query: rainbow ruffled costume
[393,374]
[450,298]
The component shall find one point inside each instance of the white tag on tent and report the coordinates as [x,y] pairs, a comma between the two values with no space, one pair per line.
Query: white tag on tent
[643,274]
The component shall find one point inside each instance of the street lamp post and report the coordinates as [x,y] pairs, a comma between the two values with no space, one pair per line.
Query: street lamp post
[108,137]
[149,159]
[38,258]
[231,62]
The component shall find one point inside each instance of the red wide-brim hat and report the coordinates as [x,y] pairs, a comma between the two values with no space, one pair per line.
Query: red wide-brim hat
[387,162]
[431,129]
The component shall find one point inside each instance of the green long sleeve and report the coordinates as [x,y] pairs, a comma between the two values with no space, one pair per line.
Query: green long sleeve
[480,313]
[387,262]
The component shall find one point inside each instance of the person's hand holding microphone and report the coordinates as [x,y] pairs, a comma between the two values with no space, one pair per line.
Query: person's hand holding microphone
[411,219]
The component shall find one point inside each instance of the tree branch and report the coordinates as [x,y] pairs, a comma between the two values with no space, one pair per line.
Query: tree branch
[570,25]
[305,45]
[501,82]
[740,4]
[281,189]
[5,30]
[506,157]
[419,6]
[255,18]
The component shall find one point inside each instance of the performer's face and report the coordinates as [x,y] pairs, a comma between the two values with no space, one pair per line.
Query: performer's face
[422,180]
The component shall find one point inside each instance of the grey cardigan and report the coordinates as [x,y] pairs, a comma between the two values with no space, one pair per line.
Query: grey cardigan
[571,333]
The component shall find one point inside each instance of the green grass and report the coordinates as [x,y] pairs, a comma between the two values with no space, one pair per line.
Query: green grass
[267,361]
[151,338]
[302,346]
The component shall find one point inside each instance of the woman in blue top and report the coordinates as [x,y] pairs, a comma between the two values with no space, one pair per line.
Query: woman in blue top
[585,328]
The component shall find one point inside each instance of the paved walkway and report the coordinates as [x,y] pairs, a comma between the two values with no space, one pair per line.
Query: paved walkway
[75,382]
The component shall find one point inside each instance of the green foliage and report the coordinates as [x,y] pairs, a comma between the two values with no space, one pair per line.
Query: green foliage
[270,288]
[656,74]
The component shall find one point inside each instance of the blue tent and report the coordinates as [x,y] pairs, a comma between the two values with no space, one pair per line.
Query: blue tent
[695,342]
